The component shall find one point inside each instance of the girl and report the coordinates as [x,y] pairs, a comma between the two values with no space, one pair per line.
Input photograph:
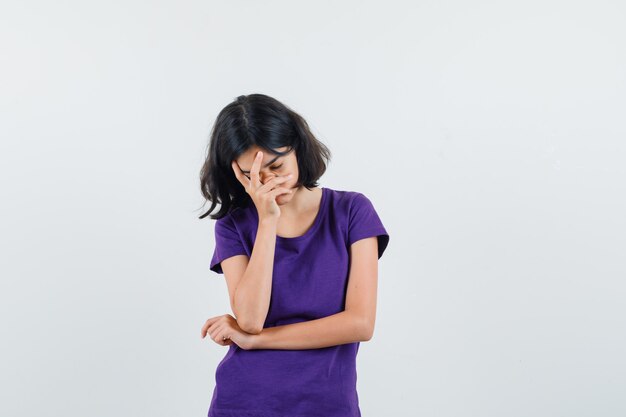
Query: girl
[300,263]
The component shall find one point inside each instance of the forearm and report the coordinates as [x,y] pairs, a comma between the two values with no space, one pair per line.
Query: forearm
[252,295]
[337,329]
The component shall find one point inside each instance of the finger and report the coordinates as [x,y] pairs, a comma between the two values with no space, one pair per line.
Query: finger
[279,191]
[245,181]
[256,167]
[214,328]
[275,182]
[207,325]
[225,338]
[218,334]
[222,338]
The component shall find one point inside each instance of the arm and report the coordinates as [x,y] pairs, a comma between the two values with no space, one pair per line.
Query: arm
[354,324]
[252,293]
[337,329]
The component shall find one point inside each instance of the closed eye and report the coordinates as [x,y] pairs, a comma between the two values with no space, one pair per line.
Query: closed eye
[275,167]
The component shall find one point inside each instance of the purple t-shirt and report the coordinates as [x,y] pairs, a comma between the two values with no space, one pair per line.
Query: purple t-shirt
[309,282]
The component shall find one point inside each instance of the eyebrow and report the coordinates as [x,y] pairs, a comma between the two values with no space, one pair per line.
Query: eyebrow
[268,164]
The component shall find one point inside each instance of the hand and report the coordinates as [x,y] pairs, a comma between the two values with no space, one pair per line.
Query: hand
[263,195]
[225,331]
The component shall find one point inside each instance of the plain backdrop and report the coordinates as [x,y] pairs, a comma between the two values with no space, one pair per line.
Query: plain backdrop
[488,135]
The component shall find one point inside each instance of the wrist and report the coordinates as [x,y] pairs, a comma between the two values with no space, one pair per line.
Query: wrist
[269,222]
[253,341]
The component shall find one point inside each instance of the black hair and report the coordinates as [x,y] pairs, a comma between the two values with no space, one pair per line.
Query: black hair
[256,119]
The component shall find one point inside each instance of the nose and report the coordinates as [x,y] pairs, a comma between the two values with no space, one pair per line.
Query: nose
[266,177]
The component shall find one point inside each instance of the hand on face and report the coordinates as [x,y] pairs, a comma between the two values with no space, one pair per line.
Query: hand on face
[263,195]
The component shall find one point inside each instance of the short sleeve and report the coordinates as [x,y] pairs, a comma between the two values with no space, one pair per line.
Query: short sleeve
[227,243]
[363,221]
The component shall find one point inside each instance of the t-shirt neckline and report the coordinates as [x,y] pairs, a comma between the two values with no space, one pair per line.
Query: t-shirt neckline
[314,226]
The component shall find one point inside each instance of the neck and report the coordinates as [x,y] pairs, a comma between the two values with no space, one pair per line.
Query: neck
[303,200]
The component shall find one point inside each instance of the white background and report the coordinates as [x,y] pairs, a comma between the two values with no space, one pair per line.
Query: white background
[489,136]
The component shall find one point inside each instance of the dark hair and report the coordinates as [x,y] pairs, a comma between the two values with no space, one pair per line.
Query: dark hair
[256,119]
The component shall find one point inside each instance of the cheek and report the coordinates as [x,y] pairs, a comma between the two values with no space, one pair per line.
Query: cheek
[288,185]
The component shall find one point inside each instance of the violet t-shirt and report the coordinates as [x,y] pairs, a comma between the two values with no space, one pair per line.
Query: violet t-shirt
[309,282]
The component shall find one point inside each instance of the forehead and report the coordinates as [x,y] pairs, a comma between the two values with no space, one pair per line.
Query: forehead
[246,159]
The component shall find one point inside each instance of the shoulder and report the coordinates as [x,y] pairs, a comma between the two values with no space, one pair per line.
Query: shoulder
[225,221]
[359,218]
[236,218]
[345,197]
[348,200]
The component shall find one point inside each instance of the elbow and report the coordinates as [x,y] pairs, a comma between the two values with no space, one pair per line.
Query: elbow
[367,330]
[254,330]
[248,327]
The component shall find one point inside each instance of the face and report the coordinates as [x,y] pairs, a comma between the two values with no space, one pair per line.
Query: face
[272,166]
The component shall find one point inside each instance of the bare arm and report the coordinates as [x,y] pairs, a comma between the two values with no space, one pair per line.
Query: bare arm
[354,324]
[337,329]
[253,291]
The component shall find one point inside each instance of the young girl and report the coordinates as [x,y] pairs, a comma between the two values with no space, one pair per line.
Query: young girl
[300,263]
